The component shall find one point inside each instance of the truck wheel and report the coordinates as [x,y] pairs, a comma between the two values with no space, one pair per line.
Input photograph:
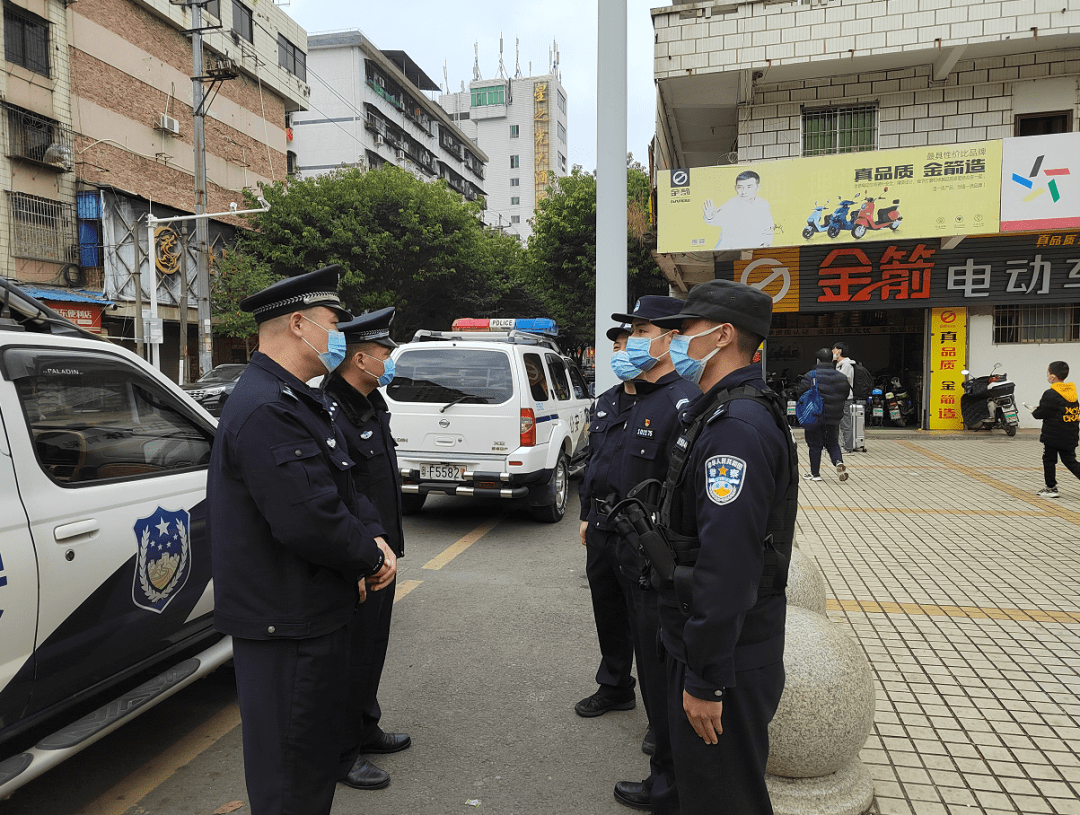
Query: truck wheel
[560,489]
[412,502]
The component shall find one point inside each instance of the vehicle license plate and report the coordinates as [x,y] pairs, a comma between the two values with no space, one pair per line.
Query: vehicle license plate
[878,412]
[442,472]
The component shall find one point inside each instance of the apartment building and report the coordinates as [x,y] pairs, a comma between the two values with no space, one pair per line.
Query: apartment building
[369,107]
[948,126]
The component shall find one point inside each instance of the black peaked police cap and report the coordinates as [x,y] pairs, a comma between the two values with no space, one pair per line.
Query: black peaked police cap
[622,328]
[303,291]
[371,327]
[725,301]
[650,307]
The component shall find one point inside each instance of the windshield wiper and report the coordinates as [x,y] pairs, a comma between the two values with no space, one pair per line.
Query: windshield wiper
[460,399]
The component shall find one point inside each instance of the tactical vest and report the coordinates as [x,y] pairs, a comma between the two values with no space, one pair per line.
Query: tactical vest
[780,529]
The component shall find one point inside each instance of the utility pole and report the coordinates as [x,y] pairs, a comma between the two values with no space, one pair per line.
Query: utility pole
[202,228]
[610,179]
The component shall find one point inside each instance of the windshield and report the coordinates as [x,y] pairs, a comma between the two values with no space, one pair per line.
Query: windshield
[443,375]
[221,375]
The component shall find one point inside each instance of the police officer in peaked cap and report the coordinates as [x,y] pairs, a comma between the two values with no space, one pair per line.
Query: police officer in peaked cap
[364,418]
[729,507]
[290,542]
[636,435]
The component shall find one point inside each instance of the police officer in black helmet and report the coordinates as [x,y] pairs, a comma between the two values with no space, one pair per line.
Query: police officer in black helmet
[365,420]
[729,510]
[290,542]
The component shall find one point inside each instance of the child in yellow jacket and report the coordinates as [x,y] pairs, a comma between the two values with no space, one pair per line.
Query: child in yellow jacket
[1060,414]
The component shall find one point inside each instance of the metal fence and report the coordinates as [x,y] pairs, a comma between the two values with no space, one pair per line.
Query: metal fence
[42,229]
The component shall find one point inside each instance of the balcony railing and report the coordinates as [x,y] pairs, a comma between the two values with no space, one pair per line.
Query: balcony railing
[40,140]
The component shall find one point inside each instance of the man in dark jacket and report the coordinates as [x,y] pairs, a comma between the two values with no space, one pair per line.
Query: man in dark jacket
[825,433]
[290,541]
[1060,416]
[365,420]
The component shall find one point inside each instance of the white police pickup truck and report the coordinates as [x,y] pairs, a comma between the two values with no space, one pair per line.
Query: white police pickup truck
[490,409]
[104,564]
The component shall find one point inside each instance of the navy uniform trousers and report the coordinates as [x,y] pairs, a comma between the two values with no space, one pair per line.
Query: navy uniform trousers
[291,757]
[613,609]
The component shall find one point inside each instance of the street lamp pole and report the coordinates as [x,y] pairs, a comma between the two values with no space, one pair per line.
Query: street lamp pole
[611,108]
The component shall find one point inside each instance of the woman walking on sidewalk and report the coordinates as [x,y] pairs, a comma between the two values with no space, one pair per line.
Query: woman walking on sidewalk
[834,388]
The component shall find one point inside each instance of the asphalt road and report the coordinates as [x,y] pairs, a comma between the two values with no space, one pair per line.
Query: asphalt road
[492,644]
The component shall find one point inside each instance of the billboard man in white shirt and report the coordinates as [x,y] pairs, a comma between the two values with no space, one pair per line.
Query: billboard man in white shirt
[745,220]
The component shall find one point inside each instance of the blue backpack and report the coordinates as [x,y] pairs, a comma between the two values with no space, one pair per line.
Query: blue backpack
[810,408]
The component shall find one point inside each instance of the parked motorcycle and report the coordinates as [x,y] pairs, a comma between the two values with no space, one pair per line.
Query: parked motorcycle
[901,411]
[886,218]
[816,223]
[841,221]
[988,402]
[877,407]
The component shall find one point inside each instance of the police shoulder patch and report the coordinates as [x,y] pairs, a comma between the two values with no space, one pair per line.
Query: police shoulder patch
[724,478]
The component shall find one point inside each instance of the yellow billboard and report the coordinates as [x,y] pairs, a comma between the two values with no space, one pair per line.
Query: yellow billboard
[948,357]
[916,192]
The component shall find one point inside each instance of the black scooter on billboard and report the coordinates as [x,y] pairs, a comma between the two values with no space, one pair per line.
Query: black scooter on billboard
[988,402]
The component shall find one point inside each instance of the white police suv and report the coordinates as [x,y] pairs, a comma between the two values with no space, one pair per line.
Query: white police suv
[104,564]
[489,409]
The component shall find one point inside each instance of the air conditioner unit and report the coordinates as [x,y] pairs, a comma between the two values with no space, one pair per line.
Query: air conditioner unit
[378,140]
[380,81]
[400,155]
[168,124]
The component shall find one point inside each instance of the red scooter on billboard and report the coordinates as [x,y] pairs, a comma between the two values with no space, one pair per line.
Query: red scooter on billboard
[884,218]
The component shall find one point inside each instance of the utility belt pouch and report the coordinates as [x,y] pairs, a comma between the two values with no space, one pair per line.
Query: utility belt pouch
[684,589]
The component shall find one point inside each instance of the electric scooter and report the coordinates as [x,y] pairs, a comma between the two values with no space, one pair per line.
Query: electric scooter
[877,407]
[815,223]
[988,402]
[887,217]
[840,220]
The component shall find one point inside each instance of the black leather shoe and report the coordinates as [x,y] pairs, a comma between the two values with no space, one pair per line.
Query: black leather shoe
[602,701]
[387,743]
[366,776]
[648,744]
[632,794]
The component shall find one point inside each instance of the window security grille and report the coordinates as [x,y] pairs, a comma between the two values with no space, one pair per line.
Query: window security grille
[42,229]
[39,139]
[839,130]
[1022,324]
[26,40]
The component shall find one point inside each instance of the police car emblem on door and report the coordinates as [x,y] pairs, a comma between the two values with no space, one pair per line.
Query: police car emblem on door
[164,558]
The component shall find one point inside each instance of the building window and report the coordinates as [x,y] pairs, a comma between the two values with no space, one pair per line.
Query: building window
[1021,324]
[1042,124]
[515,219]
[214,8]
[493,95]
[41,229]
[241,21]
[515,162]
[26,40]
[562,132]
[561,101]
[290,162]
[839,130]
[291,58]
[515,131]
[515,200]
[562,162]
[515,182]
[91,243]
[39,139]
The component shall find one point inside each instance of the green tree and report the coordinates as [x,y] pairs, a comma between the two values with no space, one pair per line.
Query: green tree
[402,241]
[561,263]
[235,277]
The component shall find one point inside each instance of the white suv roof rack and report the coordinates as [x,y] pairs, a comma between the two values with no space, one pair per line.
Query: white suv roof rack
[514,337]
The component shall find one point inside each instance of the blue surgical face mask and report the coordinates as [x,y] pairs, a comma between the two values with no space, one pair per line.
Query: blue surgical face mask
[335,347]
[687,367]
[387,375]
[639,350]
[623,367]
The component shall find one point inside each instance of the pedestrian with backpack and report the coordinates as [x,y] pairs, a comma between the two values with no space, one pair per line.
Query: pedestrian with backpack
[1060,416]
[833,389]
[860,383]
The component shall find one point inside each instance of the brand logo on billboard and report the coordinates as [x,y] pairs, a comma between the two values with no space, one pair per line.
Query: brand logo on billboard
[1051,185]
[772,271]
[680,178]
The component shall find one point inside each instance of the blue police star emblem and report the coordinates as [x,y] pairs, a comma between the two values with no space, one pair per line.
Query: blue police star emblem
[724,478]
[163,560]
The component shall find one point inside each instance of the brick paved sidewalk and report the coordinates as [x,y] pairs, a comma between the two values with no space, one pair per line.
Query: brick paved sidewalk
[963,587]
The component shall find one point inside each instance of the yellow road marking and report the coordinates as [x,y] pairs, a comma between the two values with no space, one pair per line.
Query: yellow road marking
[140,783]
[455,549]
[404,587]
[921,511]
[963,612]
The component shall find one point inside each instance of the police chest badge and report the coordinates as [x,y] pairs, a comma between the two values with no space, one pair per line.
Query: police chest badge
[724,478]
[164,558]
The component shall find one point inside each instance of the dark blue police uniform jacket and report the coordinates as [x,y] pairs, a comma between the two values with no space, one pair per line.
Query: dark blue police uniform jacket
[288,546]
[738,471]
[372,448]
[606,440]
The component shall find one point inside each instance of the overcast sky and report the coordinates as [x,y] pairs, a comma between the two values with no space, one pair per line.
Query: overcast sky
[436,32]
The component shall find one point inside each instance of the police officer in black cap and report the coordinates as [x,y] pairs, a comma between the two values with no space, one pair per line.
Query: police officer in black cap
[290,542]
[729,509]
[365,420]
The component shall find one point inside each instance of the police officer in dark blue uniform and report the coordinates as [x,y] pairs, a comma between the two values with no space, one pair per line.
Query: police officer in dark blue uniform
[647,432]
[290,543]
[729,510]
[365,420]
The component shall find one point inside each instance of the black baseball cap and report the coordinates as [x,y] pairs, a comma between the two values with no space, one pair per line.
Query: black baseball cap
[650,307]
[297,293]
[725,301]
